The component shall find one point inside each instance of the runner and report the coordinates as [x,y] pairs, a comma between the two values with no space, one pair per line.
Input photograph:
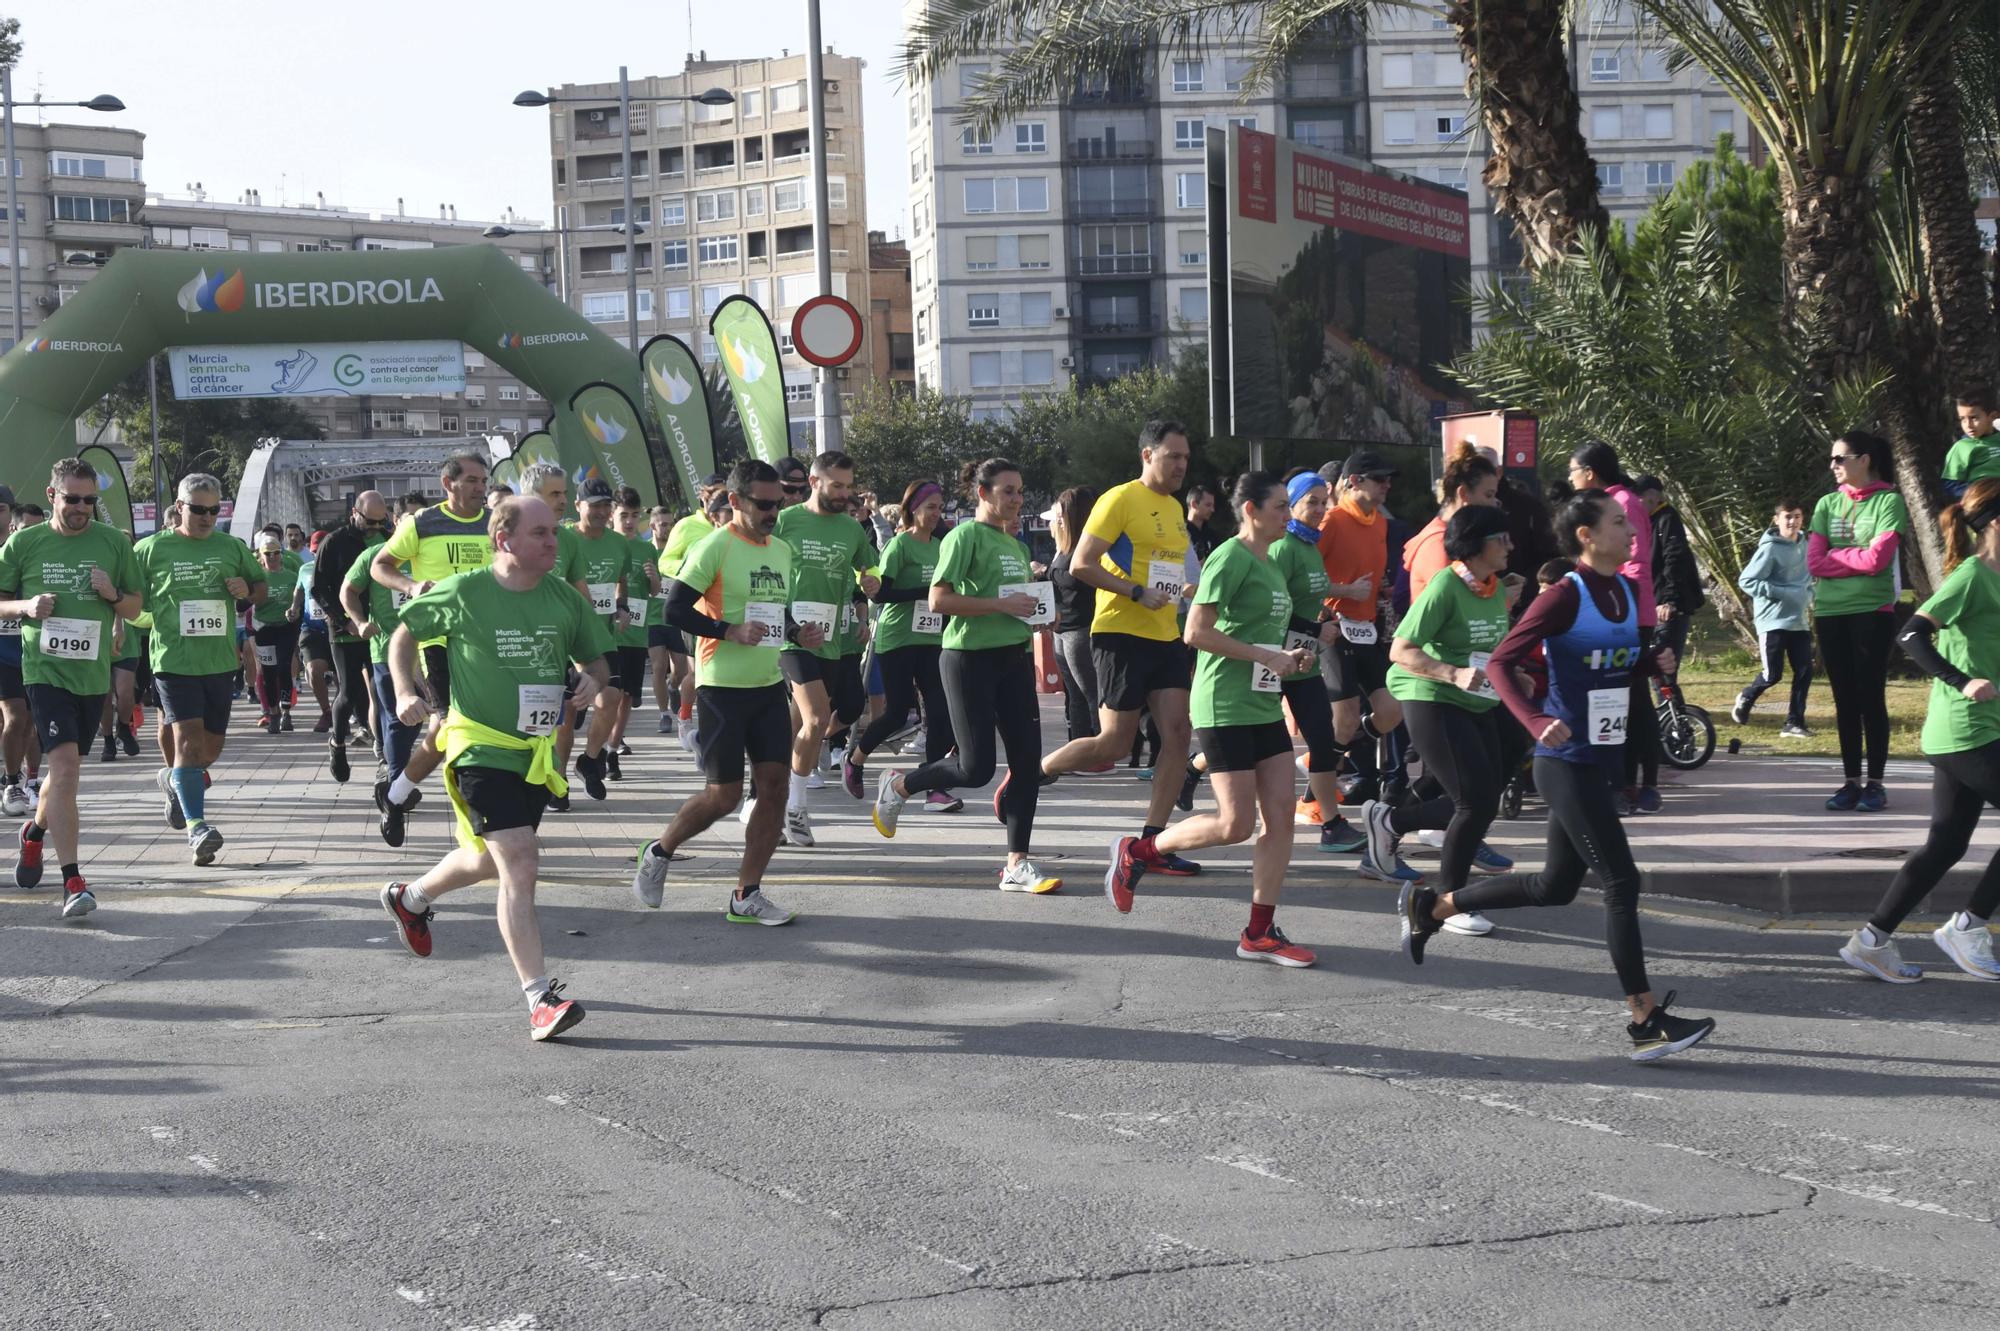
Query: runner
[1852,552]
[1469,478]
[593,561]
[510,628]
[1587,626]
[366,527]
[432,544]
[642,585]
[1296,555]
[731,593]
[1955,639]
[831,556]
[1133,550]
[550,484]
[689,531]
[128,646]
[193,575]
[1595,466]
[277,632]
[662,642]
[18,723]
[908,644]
[316,646]
[1354,546]
[66,581]
[1076,605]
[982,583]
[373,610]
[1781,593]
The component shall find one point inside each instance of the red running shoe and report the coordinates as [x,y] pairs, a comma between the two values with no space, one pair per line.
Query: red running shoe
[28,869]
[1123,876]
[77,899]
[553,1014]
[412,928]
[1274,946]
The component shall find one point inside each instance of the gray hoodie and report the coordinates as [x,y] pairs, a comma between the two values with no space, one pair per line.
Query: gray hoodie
[1777,580]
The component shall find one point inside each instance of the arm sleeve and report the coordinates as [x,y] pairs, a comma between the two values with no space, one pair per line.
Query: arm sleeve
[1919,642]
[683,614]
[1553,613]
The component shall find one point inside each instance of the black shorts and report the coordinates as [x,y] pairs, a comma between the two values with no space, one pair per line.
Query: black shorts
[499,800]
[1354,669]
[1242,748]
[437,676]
[667,636]
[1130,667]
[315,645]
[731,724]
[628,670]
[11,687]
[62,717]
[203,698]
[129,664]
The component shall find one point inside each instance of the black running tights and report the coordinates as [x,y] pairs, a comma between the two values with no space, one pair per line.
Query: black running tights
[1855,651]
[1962,785]
[352,674]
[1462,750]
[908,672]
[989,690]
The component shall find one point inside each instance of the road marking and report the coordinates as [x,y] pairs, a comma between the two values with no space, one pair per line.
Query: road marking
[1253,1164]
[1627,1201]
[415,1296]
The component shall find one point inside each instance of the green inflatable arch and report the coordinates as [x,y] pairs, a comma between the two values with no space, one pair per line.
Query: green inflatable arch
[146,301]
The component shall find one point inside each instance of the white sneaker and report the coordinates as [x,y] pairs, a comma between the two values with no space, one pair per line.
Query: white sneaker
[829,759]
[32,787]
[1467,922]
[666,723]
[1884,963]
[1432,837]
[1971,948]
[798,828]
[14,801]
[815,780]
[688,737]
[649,879]
[744,810]
[755,908]
[917,745]
[888,805]
[1025,877]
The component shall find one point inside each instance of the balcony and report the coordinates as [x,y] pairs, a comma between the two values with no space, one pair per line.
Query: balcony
[1111,150]
[1113,265]
[1139,325]
[90,234]
[1321,87]
[1114,207]
[1118,92]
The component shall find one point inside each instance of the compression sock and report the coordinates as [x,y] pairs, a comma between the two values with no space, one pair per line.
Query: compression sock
[191,790]
[1260,920]
[71,871]
[535,988]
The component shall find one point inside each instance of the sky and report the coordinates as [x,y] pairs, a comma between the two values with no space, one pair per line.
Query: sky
[371,101]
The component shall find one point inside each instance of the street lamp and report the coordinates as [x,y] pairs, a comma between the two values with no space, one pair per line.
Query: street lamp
[709,97]
[500,231]
[104,101]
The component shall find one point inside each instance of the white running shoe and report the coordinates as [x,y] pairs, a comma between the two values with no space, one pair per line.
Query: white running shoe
[745,810]
[916,745]
[798,828]
[816,780]
[1025,877]
[14,801]
[1467,922]
[1884,963]
[1432,837]
[649,879]
[829,758]
[688,736]
[1971,948]
[888,805]
[755,908]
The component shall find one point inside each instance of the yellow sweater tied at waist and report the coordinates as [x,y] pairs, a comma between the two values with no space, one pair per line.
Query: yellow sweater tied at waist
[460,732]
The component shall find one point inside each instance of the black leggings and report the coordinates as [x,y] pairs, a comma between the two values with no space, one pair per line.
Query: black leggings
[1584,835]
[1962,785]
[274,687]
[352,673]
[1312,713]
[908,672]
[1642,732]
[1462,749]
[987,690]
[1855,649]
[1781,646]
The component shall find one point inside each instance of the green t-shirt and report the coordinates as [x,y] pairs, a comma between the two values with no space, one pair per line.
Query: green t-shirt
[1973,459]
[74,655]
[283,581]
[978,559]
[503,642]
[1847,524]
[598,562]
[1967,608]
[384,606]
[908,561]
[1253,607]
[638,591]
[194,617]
[1305,581]
[828,550]
[731,572]
[683,537]
[1451,622]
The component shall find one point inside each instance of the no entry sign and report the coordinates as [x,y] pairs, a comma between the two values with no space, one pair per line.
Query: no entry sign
[826,330]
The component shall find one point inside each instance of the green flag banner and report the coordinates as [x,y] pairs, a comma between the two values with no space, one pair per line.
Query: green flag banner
[506,470]
[617,437]
[535,446]
[114,501]
[749,352]
[678,399]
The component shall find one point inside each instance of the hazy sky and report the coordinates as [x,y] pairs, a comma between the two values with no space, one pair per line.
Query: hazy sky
[368,101]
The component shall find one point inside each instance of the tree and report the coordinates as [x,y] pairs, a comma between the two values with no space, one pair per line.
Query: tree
[10,42]
[896,438]
[215,435]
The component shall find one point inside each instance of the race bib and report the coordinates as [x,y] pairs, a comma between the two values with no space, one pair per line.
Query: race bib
[1608,709]
[267,654]
[927,622]
[541,709]
[636,609]
[10,628]
[1479,661]
[771,615]
[1045,600]
[1262,678]
[1301,642]
[1358,631]
[814,614]
[847,618]
[398,599]
[1166,575]
[204,619]
[71,639]
[603,598]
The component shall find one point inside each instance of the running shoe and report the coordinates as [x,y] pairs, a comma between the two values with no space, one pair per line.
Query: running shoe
[1185,803]
[78,900]
[611,769]
[412,927]
[592,771]
[888,805]
[336,761]
[285,719]
[1884,962]
[128,741]
[1399,870]
[756,908]
[1793,730]
[623,750]
[1873,799]
[831,760]
[324,724]
[1488,860]
[1175,866]
[745,810]
[1662,1034]
[1308,812]
[1739,712]
[14,800]
[1122,877]
[552,1014]
[1844,799]
[1470,923]
[394,820]
[1649,800]
[110,753]
[851,779]
[689,736]
[164,779]
[814,780]
[1413,909]
[917,745]
[798,828]
[1340,837]
[1274,946]
[1625,802]
[649,879]
[559,803]
[1025,877]
[1971,948]
[1429,836]
[28,868]
[942,801]
[1381,835]
[666,723]
[203,842]
[1102,769]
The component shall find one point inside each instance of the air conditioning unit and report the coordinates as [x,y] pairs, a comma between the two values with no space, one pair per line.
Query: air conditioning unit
[597,117]
[833,85]
[1061,311]
[1068,362]
[841,372]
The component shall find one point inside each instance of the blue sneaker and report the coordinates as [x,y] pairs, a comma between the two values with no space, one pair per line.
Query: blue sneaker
[1874,799]
[1340,837]
[1400,873]
[1175,866]
[1649,800]
[1488,860]
[1844,799]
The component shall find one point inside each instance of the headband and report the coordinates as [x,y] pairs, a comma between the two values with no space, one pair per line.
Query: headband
[924,491]
[1302,485]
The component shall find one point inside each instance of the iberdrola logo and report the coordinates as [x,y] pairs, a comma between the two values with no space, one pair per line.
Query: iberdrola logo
[584,473]
[606,432]
[672,386]
[208,295]
[32,345]
[510,341]
[743,362]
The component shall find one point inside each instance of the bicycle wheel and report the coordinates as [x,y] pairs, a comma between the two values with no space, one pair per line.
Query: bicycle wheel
[1510,800]
[1687,736]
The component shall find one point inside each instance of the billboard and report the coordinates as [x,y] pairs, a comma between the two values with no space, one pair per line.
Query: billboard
[1343,286]
[317,369]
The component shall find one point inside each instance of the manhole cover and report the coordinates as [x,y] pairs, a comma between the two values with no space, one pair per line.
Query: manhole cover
[1868,853]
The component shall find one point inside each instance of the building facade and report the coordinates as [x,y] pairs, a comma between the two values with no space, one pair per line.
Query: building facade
[888,320]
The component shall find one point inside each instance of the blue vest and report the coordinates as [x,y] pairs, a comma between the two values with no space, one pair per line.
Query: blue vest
[1596,655]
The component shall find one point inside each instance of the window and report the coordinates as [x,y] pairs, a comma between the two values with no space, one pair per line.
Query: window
[1604,68]
[970,77]
[788,98]
[718,206]
[785,347]
[510,424]
[979,194]
[1399,127]
[802,391]
[1448,128]
[715,293]
[207,238]
[982,311]
[673,254]
[1193,248]
[788,196]
[716,249]
[1006,194]
[615,215]
[1032,137]
[599,307]
[753,201]
[795,289]
[673,210]
[982,253]
[1188,191]
[1033,251]
[1607,123]
[836,191]
[1247,122]
[750,102]
[1659,122]
[475,360]
[1038,367]
[923,327]
[1610,178]
[80,208]
[1187,76]
[270,247]
[678,303]
[1721,123]
[1194,304]
[1033,194]
[387,420]
[473,425]
[448,422]
[975,141]
[510,392]
[1659,177]
[93,166]
[1188,134]
[1397,71]
[1235,73]
[985,368]
[477,392]
[1036,309]
[1653,65]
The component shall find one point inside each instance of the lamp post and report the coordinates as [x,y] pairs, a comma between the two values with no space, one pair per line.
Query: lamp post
[709,97]
[102,102]
[826,398]
[499,231]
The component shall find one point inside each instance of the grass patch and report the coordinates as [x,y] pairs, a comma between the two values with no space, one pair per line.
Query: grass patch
[1709,683]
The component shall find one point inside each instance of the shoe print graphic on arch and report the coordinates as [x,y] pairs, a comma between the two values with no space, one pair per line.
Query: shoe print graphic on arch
[293,371]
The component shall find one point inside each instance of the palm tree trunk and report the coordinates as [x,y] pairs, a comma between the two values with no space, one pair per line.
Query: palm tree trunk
[1953,256]
[1913,442]
[1831,292]
[1541,174]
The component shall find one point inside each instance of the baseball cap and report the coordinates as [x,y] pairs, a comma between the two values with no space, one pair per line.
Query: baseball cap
[595,491]
[713,479]
[7,495]
[1367,462]
[789,467]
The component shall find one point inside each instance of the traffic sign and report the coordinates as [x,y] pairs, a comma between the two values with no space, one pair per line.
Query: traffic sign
[826,330]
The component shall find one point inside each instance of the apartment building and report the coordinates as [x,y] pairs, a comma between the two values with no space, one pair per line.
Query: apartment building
[888,320]
[724,195]
[80,193]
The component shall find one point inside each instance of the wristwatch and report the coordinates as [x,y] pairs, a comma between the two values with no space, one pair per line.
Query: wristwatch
[1138,592]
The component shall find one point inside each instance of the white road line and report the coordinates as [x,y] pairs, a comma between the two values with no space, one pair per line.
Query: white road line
[1609,1199]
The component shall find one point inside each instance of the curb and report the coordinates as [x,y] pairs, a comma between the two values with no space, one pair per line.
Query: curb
[1787,890]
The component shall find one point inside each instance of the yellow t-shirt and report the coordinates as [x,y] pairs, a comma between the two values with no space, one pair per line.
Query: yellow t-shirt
[1149,543]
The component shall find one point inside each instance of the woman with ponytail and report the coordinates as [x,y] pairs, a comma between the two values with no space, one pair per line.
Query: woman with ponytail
[1470,478]
[1595,466]
[1955,639]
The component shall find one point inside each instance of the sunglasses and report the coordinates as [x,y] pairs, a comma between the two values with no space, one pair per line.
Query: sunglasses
[762,505]
[74,500]
[1838,458]
[202,510]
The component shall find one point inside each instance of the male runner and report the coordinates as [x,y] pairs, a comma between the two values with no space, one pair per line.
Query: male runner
[711,512]
[550,484]
[511,629]
[366,526]
[642,579]
[831,554]
[72,578]
[17,725]
[434,543]
[193,577]
[1133,550]
[374,611]
[593,561]
[731,594]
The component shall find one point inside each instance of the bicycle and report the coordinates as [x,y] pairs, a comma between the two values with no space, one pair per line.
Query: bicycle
[1687,736]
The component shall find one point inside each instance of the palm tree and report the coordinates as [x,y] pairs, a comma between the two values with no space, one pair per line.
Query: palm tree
[1540,173]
